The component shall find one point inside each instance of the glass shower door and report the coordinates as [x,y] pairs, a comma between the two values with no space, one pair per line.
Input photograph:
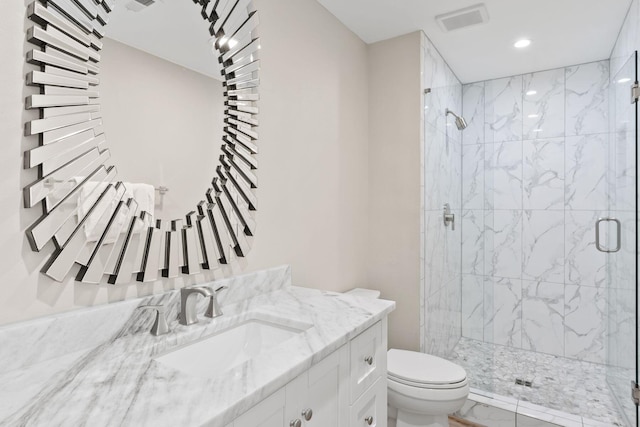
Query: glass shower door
[617,235]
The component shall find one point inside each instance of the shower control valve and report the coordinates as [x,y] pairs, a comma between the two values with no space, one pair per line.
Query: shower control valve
[448,217]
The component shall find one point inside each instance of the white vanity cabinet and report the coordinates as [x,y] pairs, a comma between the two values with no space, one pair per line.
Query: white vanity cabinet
[348,388]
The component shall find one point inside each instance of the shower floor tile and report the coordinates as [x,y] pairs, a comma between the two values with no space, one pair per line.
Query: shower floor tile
[567,385]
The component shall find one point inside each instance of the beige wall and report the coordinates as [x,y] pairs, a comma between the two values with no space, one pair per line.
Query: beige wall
[395,102]
[313,175]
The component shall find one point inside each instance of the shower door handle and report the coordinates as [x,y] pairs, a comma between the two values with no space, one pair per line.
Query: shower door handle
[618,234]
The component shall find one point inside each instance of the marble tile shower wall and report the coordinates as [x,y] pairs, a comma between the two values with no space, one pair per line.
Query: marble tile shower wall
[442,183]
[535,179]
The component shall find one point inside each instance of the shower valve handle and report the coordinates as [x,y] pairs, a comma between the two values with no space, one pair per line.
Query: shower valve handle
[448,217]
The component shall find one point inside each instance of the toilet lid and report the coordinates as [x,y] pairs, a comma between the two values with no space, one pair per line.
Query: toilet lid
[423,368]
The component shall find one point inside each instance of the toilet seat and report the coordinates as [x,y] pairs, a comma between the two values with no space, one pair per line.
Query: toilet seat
[422,370]
[429,394]
[427,385]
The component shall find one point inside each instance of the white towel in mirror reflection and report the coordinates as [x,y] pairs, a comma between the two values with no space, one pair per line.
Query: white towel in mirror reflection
[144,194]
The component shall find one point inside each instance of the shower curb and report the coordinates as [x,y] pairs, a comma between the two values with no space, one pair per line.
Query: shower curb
[493,410]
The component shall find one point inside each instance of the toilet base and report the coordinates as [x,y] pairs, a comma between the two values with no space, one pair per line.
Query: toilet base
[409,419]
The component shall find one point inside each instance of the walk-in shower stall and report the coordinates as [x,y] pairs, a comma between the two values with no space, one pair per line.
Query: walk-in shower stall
[531,283]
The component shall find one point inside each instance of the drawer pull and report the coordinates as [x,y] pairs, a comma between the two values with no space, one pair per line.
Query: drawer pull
[295,423]
[369,360]
[369,420]
[307,414]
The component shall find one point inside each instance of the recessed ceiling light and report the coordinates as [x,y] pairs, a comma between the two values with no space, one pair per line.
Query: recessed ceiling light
[624,80]
[531,92]
[532,116]
[522,43]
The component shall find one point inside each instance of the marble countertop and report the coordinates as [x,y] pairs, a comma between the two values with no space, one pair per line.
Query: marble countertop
[119,383]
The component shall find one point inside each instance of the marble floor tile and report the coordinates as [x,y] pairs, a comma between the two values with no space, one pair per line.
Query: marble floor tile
[488,415]
[571,386]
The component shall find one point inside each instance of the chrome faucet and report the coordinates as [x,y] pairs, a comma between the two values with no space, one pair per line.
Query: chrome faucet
[160,326]
[188,297]
[214,309]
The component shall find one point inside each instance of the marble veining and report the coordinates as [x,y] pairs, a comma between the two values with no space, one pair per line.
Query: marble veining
[117,382]
[503,243]
[543,245]
[586,164]
[473,176]
[585,323]
[473,112]
[503,311]
[584,265]
[472,240]
[543,317]
[543,174]
[503,109]
[587,98]
[543,104]
[503,176]
[472,306]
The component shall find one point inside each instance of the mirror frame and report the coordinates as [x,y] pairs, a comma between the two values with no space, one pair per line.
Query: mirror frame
[64,42]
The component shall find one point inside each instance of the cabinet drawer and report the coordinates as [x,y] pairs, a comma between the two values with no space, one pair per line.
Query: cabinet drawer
[367,360]
[371,407]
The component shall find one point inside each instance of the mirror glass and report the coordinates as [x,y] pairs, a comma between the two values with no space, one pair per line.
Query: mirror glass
[162,103]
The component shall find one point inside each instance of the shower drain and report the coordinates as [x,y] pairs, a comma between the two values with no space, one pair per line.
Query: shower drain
[524,382]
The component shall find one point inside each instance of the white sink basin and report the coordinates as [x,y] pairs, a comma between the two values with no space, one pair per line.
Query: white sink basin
[218,353]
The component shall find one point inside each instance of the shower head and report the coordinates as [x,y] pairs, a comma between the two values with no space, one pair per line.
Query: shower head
[461,123]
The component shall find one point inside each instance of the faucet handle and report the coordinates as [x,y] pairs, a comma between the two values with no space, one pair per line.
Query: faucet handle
[214,310]
[160,326]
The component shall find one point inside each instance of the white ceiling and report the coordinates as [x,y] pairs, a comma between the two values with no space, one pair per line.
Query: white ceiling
[170,29]
[564,32]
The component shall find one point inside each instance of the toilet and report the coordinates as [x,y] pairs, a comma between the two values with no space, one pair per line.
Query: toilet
[422,389]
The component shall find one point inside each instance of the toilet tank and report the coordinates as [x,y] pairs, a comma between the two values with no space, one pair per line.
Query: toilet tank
[365,293]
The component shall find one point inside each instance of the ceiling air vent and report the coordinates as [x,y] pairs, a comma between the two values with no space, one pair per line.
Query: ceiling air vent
[463,18]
